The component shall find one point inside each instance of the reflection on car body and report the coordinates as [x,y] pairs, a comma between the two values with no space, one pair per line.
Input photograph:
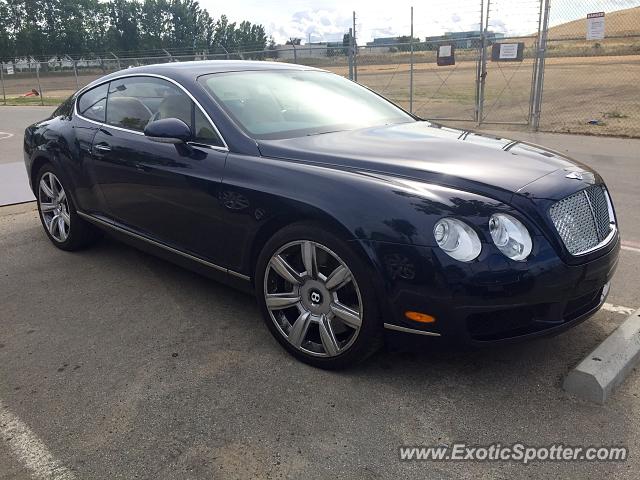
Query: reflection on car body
[350,219]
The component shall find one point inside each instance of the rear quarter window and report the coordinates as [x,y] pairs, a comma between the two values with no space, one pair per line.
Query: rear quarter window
[92,104]
[65,108]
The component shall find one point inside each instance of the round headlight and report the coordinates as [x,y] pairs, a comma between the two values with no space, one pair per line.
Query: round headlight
[510,236]
[457,239]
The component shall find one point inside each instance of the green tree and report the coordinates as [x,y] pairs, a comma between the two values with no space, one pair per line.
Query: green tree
[124,28]
[155,21]
[43,28]
[5,33]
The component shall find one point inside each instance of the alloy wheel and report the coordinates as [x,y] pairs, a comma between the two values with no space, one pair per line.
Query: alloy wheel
[313,298]
[54,207]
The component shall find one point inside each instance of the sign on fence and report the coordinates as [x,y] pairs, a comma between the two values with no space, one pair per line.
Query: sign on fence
[446,55]
[507,52]
[10,70]
[595,26]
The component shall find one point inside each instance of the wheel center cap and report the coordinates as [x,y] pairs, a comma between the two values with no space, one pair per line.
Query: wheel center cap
[315,296]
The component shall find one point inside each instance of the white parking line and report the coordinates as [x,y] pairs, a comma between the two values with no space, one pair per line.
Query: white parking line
[29,449]
[630,246]
[618,309]
[630,249]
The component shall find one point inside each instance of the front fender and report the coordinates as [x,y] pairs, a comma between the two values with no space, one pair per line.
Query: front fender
[363,206]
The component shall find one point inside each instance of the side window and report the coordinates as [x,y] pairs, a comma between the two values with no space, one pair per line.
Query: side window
[203,131]
[133,101]
[92,104]
[178,105]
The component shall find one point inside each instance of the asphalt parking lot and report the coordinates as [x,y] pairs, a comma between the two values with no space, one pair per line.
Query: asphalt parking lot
[126,366]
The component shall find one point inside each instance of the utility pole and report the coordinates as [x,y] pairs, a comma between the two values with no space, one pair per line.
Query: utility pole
[411,68]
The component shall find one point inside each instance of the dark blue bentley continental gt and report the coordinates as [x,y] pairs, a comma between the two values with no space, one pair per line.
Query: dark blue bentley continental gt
[347,216]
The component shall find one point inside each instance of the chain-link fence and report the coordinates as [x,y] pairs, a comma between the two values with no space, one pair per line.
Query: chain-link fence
[553,78]
[592,85]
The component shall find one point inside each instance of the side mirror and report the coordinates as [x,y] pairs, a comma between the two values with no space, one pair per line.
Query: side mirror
[168,130]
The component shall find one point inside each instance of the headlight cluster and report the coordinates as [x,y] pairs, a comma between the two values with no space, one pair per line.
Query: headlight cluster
[457,239]
[460,241]
[510,236]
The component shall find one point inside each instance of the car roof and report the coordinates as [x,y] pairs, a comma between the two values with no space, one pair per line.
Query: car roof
[182,71]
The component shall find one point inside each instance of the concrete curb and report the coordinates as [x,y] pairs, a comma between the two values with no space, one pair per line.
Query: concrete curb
[595,378]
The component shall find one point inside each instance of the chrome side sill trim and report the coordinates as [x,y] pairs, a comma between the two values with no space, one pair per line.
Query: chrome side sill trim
[93,219]
[390,326]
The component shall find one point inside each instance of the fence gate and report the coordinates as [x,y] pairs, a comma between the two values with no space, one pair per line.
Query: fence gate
[512,64]
[494,79]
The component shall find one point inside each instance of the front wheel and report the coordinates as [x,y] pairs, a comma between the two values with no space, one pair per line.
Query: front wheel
[317,297]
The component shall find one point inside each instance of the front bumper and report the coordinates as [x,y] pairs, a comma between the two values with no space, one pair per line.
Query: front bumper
[492,300]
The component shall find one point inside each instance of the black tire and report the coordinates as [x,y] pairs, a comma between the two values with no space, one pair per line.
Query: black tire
[81,233]
[369,337]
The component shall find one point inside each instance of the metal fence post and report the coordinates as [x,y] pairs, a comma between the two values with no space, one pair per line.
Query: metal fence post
[350,54]
[541,56]
[295,53]
[479,65]
[355,50]
[39,86]
[4,95]
[411,68]
[75,73]
[534,73]
[483,62]
[117,60]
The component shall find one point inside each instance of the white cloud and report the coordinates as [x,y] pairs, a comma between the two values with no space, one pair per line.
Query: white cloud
[328,20]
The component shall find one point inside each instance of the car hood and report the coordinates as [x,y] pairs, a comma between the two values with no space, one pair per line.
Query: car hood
[429,152]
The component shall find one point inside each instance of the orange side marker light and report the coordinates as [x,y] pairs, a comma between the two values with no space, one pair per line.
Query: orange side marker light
[419,317]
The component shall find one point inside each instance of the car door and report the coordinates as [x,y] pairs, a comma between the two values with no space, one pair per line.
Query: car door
[166,192]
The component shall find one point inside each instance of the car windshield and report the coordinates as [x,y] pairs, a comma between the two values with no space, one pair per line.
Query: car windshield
[292,103]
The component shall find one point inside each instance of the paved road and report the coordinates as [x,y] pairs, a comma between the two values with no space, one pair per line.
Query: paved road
[13,179]
[121,365]
[126,366]
[13,121]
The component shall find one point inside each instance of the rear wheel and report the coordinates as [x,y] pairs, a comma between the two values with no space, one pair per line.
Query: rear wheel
[317,297]
[61,223]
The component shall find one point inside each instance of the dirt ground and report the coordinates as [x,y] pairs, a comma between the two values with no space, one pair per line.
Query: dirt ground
[577,90]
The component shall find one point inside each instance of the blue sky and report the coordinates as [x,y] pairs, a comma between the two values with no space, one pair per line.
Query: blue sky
[327,20]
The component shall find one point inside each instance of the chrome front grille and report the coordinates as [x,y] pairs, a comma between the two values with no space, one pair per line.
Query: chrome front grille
[584,220]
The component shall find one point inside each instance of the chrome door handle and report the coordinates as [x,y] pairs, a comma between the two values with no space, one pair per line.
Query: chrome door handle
[102,147]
